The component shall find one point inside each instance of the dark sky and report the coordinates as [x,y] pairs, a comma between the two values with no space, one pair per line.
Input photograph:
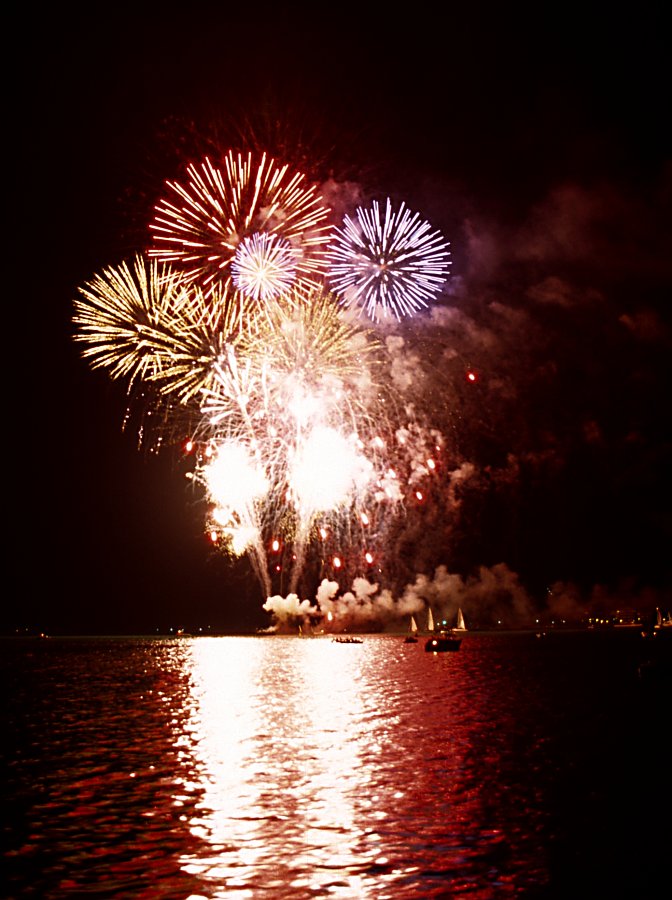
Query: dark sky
[539,145]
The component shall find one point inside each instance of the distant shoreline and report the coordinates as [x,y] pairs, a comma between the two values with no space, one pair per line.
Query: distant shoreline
[475,632]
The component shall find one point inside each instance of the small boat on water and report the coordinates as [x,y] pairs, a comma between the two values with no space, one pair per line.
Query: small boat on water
[347,640]
[412,636]
[446,641]
[658,625]
[443,642]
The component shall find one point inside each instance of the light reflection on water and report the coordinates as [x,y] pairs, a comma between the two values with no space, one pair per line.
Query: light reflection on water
[306,765]
[278,751]
[288,768]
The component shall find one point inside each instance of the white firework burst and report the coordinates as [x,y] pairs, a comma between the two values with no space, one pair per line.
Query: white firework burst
[387,263]
[264,266]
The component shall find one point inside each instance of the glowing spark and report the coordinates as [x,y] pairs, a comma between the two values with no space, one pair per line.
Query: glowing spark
[233,479]
[234,482]
[387,264]
[326,470]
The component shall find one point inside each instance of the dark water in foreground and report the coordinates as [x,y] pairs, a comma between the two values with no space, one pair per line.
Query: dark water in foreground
[271,767]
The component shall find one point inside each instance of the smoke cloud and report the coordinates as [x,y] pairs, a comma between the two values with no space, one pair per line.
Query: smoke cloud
[492,596]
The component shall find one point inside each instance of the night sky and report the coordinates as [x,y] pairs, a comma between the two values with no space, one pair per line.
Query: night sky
[538,144]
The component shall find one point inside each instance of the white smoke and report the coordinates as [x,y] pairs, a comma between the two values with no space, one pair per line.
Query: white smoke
[492,595]
[289,609]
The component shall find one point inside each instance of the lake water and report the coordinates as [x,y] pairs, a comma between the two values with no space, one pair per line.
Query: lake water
[287,767]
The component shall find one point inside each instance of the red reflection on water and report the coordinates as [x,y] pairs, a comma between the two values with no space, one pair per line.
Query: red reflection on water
[369,766]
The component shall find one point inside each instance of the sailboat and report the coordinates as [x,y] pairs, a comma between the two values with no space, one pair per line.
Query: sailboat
[412,636]
[460,621]
[663,621]
[444,640]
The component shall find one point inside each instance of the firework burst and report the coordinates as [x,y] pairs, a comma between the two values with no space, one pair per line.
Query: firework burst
[304,450]
[142,323]
[263,266]
[388,263]
[127,317]
[202,227]
[298,440]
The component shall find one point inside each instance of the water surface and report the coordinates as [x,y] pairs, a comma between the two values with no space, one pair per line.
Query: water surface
[286,767]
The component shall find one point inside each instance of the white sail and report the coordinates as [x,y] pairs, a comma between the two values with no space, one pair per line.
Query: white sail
[460,621]
[430,621]
[414,625]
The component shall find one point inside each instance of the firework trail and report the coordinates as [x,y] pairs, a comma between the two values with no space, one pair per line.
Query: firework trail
[387,263]
[205,224]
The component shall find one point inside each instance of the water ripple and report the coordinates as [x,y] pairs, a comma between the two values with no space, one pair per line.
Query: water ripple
[291,768]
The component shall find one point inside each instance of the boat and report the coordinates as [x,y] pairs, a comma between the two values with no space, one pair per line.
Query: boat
[663,621]
[657,625]
[347,640]
[442,642]
[460,626]
[412,636]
